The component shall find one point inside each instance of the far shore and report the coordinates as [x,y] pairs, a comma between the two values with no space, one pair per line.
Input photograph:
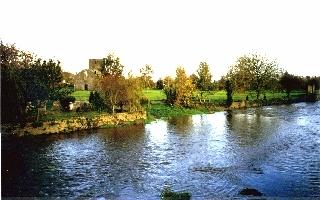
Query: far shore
[155,110]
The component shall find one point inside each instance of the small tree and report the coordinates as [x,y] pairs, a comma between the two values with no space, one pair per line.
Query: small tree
[204,77]
[111,66]
[133,93]
[171,94]
[169,90]
[118,91]
[289,82]
[146,76]
[160,84]
[184,88]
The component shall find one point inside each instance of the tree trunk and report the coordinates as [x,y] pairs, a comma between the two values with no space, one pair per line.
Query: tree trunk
[113,107]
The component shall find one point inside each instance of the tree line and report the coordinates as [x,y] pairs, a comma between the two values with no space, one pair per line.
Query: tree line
[250,74]
[28,82]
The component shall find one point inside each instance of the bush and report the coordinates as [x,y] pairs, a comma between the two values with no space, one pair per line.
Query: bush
[85,107]
[65,102]
[144,101]
[160,84]
[97,101]
[168,194]
[171,95]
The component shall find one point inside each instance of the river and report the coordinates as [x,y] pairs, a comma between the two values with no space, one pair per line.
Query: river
[275,150]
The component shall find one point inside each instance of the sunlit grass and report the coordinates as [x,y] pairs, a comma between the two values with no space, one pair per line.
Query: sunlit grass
[214,96]
[81,95]
[154,95]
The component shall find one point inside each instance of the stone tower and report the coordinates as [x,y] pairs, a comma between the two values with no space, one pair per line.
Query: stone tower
[94,65]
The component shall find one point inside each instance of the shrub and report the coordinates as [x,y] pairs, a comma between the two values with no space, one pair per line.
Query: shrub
[168,194]
[97,101]
[160,84]
[65,102]
[85,107]
[171,95]
[144,101]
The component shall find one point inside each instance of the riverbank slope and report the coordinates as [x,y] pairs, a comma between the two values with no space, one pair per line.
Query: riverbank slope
[77,123]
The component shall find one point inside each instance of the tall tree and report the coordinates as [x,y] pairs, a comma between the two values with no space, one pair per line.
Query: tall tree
[113,88]
[25,79]
[13,102]
[146,76]
[254,73]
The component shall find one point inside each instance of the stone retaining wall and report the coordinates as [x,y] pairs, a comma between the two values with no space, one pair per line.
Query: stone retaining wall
[81,123]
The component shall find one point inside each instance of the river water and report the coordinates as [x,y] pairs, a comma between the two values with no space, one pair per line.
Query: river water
[275,150]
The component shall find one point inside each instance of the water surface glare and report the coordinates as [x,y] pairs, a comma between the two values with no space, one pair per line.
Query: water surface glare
[275,150]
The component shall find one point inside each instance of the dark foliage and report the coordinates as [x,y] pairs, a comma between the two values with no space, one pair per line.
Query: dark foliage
[229,89]
[85,107]
[168,194]
[171,95]
[289,82]
[160,84]
[25,79]
[97,101]
[65,102]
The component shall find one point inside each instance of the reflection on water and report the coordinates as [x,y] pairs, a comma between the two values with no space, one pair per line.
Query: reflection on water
[272,149]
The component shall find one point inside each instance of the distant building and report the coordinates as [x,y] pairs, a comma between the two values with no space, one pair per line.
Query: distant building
[87,78]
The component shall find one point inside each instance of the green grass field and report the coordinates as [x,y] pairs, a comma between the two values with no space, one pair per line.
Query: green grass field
[221,96]
[81,95]
[216,96]
[154,95]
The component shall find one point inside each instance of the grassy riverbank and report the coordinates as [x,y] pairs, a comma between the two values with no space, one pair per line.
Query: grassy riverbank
[214,101]
[57,121]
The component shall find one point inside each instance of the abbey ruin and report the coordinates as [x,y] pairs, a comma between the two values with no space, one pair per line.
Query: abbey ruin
[86,79]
